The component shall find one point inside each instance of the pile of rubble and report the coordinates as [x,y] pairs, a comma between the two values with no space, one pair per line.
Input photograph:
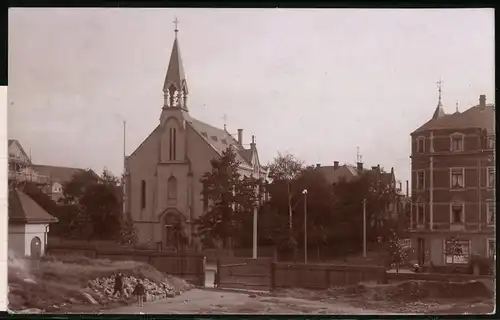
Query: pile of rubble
[101,290]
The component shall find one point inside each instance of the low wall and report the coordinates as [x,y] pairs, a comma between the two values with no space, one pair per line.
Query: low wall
[244,273]
[189,266]
[323,276]
[396,277]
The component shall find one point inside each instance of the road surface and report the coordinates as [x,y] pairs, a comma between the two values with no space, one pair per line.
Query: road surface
[199,301]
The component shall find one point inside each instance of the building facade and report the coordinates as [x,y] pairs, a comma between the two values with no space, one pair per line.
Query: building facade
[453,185]
[162,178]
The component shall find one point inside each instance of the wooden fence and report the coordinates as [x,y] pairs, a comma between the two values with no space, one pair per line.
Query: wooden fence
[189,266]
[322,276]
[244,273]
[395,277]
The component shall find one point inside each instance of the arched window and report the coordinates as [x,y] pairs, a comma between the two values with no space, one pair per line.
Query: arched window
[172,144]
[172,190]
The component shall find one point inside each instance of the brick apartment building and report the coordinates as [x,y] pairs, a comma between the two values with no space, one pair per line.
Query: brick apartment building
[453,185]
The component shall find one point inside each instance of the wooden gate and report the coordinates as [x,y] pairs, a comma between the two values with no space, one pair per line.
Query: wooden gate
[244,273]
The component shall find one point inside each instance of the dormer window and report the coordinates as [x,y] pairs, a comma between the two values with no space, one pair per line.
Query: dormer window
[421,144]
[457,142]
[204,134]
[214,138]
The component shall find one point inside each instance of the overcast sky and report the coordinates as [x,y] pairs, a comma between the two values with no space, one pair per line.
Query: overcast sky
[316,83]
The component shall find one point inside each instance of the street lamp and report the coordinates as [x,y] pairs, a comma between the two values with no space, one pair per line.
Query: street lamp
[304,192]
[255,208]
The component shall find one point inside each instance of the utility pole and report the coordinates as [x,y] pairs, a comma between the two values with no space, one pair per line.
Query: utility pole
[305,225]
[364,228]
[124,207]
[255,208]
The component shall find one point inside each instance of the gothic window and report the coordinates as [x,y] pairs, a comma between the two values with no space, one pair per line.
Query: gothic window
[172,189]
[172,144]
[143,194]
[457,178]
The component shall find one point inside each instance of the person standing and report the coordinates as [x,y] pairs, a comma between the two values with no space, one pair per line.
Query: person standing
[118,285]
[140,292]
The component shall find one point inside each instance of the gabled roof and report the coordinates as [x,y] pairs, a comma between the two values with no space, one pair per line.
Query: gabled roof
[58,174]
[474,117]
[23,209]
[11,141]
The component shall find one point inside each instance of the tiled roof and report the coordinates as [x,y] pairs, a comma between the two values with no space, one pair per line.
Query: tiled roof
[474,117]
[59,174]
[23,209]
[11,141]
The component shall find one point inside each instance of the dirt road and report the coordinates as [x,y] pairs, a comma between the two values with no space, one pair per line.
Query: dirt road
[220,302]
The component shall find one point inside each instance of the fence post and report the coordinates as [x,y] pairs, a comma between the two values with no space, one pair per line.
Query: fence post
[272,276]
[217,274]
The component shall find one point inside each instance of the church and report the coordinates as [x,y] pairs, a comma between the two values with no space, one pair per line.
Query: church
[163,192]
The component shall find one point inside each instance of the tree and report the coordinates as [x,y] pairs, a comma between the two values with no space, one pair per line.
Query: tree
[221,222]
[453,248]
[397,250]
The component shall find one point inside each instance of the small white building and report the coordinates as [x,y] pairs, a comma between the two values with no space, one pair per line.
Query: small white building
[28,225]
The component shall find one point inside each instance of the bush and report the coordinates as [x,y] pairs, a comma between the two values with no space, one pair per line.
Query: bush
[485,264]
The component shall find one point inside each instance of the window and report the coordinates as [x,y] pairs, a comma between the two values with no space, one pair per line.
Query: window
[172,189]
[143,194]
[421,144]
[491,213]
[204,134]
[457,251]
[457,178]
[172,147]
[491,142]
[420,214]
[491,248]
[457,142]
[214,138]
[420,179]
[491,178]
[457,212]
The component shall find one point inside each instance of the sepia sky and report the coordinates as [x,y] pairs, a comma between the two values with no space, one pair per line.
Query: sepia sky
[316,83]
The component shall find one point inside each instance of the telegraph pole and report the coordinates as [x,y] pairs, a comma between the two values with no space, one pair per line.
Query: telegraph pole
[364,228]
[305,225]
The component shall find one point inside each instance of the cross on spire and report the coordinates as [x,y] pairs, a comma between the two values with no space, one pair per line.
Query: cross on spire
[176,22]
[440,86]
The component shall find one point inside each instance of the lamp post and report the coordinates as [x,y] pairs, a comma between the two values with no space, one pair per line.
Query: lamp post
[304,192]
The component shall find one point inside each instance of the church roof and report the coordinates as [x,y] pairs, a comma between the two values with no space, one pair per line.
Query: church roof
[23,209]
[474,117]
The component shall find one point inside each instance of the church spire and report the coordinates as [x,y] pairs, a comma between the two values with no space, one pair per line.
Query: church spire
[175,88]
[439,112]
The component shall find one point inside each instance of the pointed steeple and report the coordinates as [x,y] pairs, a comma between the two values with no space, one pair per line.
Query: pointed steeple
[439,112]
[175,86]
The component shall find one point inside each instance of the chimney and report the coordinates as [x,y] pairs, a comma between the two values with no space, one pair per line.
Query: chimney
[252,145]
[240,137]
[360,166]
[482,101]
[318,165]
[335,165]
[378,167]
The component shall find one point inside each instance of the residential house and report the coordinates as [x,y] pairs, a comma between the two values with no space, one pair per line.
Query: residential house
[163,189]
[453,185]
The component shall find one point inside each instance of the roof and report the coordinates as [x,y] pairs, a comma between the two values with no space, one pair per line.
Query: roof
[474,117]
[23,209]
[59,174]
[220,140]
[175,71]
[333,175]
[11,141]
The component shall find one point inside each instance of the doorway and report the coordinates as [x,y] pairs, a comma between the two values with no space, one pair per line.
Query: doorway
[36,248]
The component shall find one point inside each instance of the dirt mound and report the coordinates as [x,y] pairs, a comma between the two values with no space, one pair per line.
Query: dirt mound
[52,284]
[416,290]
